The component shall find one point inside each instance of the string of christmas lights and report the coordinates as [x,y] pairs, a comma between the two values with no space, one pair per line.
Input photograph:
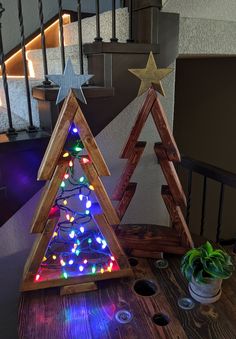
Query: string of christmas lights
[77,246]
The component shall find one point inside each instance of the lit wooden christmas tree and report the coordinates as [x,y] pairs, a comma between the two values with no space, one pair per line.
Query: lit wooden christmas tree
[75,243]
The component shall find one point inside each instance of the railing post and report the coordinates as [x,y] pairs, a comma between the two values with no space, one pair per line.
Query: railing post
[203,205]
[63,58]
[220,212]
[31,127]
[190,173]
[130,7]
[11,129]
[46,82]
[80,37]
[98,37]
[114,38]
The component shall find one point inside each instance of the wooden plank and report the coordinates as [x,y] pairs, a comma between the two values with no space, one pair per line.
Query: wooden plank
[177,217]
[39,249]
[90,144]
[122,206]
[146,254]
[58,138]
[165,132]
[100,192]
[152,237]
[29,285]
[47,199]
[139,123]
[171,175]
[79,288]
[129,170]
[111,240]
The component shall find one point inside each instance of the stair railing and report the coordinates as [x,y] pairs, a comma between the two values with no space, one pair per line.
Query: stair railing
[222,177]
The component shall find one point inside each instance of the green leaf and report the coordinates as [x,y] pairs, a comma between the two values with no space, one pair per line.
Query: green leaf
[208,247]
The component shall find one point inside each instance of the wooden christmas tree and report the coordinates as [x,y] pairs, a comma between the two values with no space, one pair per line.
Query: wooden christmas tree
[75,241]
[147,240]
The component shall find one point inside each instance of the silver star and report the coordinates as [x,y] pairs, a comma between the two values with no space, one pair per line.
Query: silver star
[70,80]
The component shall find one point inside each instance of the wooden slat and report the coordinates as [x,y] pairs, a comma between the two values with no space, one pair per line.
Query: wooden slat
[150,237]
[29,285]
[47,199]
[58,138]
[79,288]
[129,170]
[126,199]
[165,132]
[146,254]
[39,249]
[101,194]
[171,175]
[177,218]
[139,123]
[90,144]
[111,240]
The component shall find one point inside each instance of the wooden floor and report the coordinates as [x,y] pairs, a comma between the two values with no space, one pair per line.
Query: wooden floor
[44,314]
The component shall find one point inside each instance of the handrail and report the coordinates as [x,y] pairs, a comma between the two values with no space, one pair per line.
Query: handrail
[209,171]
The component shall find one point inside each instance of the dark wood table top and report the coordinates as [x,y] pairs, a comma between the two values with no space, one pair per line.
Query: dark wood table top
[44,314]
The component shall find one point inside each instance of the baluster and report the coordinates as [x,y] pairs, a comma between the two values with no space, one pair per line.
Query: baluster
[130,7]
[46,82]
[189,196]
[63,58]
[31,127]
[98,37]
[114,38]
[11,129]
[80,37]
[203,205]
[220,212]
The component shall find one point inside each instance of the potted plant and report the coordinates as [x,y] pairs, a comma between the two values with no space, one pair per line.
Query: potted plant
[204,268]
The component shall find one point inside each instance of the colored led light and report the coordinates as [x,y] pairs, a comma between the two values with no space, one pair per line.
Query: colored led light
[71,163]
[71,262]
[78,149]
[72,234]
[99,240]
[87,212]
[94,269]
[77,252]
[37,277]
[78,242]
[91,187]
[62,262]
[44,259]
[66,176]
[81,229]
[55,234]
[68,217]
[65,202]
[54,257]
[85,160]
[112,258]
[81,197]
[81,268]
[109,269]
[63,184]
[88,204]
[81,179]
[104,244]
[85,261]
[72,219]
[102,270]
[89,240]
[65,155]
[65,275]
[75,130]
[73,250]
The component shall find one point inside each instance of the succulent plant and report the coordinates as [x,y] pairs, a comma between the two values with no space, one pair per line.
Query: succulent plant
[205,262]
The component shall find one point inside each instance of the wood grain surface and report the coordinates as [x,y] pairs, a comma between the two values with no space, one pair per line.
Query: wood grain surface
[91,315]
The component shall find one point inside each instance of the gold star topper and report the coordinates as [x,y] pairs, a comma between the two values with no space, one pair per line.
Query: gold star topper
[151,76]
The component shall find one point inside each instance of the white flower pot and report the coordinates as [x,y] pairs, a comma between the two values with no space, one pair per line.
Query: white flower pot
[205,293]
